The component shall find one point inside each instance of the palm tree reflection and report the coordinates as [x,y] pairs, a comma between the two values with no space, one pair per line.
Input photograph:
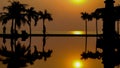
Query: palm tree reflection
[101,40]
[45,15]
[22,55]
[87,17]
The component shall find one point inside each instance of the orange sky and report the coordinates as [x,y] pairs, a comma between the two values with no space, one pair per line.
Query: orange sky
[66,17]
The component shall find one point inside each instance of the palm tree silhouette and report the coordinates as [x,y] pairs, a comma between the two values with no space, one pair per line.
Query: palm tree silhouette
[14,59]
[15,12]
[97,17]
[4,32]
[45,54]
[45,15]
[85,16]
[22,55]
[31,14]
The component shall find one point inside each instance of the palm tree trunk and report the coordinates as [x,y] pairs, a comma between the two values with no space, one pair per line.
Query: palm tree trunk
[44,33]
[86,36]
[96,28]
[15,33]
[96,31]
[12,35]
[30,33]
[29,23]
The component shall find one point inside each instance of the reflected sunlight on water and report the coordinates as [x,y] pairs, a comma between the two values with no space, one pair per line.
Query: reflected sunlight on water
[74,32]
[61,32]
[77,32]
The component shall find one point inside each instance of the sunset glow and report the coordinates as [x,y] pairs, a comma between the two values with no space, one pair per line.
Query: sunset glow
[77,1]
[77,64]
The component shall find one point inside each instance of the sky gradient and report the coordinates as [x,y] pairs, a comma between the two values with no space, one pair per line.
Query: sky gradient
[66,17]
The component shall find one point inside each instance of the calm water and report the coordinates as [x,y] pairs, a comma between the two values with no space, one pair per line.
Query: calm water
[65,51]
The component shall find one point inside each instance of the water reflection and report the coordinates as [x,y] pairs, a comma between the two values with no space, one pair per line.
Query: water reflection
[77,32]
[17,55]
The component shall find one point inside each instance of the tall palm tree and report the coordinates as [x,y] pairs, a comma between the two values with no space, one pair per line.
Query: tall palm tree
[45,15]
[5,17]
[31,14]
[18,13]
[85,16]
[15,12]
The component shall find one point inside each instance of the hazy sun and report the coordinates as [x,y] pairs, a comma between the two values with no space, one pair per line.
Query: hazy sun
[77,1]
[77,64]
